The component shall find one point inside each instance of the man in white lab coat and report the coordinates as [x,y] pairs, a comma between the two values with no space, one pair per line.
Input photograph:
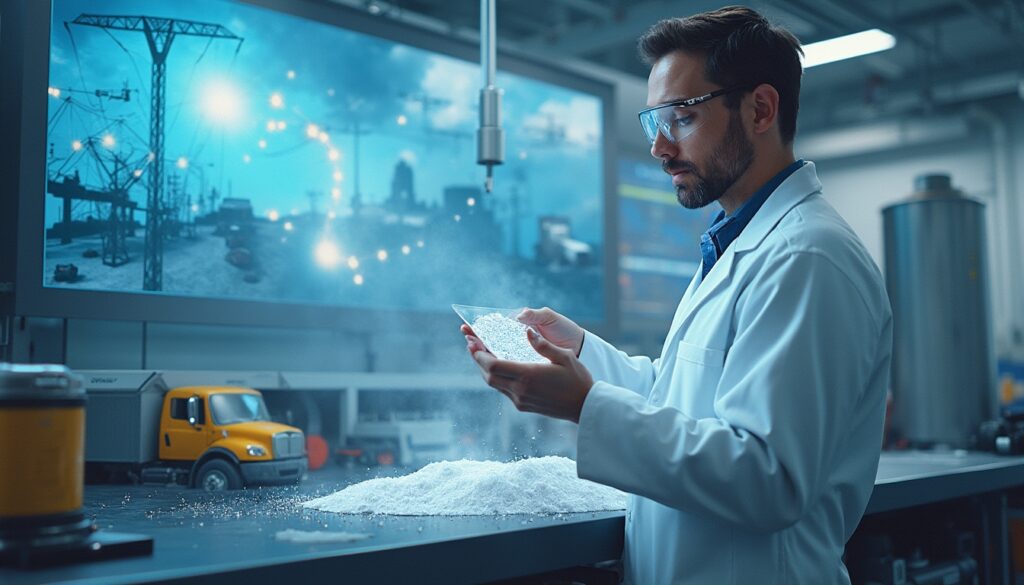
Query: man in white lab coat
[750,445]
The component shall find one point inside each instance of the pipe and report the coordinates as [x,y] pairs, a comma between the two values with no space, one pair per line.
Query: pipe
[1007,239]
[490,137]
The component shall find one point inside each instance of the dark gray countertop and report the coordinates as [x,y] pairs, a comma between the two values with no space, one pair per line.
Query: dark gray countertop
[915,478]
[203,537]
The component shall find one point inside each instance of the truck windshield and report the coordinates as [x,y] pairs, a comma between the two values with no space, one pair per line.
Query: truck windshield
[229,409]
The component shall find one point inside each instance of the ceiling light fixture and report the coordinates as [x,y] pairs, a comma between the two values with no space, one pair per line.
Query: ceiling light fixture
[847,47]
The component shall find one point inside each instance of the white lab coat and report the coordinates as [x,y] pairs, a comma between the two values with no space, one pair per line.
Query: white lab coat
[750,446]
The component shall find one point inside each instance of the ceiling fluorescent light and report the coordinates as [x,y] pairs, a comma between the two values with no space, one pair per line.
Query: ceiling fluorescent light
[847,47]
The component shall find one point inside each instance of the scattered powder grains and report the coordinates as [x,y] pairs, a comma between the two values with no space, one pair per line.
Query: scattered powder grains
[541,485]
[506,338]
[318,536]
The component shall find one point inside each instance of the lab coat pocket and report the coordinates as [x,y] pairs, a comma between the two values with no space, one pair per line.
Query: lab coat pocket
[695,379]
[702,356]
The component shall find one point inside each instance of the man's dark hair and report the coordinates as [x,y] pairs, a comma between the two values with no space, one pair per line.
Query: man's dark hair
[741,48]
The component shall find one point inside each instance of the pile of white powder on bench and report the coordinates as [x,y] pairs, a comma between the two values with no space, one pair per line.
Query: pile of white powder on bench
[506,338]
[541,485]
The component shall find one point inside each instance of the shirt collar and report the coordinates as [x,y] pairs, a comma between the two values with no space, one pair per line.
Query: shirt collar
[726,228]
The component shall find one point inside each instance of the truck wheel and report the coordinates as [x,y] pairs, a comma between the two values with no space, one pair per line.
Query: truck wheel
[217,475]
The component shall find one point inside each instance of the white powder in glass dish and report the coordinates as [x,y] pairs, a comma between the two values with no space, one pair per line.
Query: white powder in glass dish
[506,338]
[541,485]
[318,536]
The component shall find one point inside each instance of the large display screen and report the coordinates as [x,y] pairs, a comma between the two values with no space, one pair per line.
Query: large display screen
[214,149]
[659,242]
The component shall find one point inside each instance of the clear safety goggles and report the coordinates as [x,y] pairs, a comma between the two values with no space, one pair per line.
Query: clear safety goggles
[679,119]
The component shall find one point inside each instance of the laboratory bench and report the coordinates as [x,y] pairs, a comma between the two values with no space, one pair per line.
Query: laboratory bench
[204,537]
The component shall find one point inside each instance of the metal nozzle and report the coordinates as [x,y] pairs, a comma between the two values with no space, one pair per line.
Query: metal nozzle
[490,137]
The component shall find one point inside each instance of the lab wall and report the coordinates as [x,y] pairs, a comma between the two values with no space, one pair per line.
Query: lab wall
[861,186]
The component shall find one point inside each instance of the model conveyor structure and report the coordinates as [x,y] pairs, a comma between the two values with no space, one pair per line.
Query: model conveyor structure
[160,34]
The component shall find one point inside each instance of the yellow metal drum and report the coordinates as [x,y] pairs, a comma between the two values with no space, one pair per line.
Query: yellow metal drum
[42,441]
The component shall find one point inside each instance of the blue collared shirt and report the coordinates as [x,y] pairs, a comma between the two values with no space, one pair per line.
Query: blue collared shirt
[727,228]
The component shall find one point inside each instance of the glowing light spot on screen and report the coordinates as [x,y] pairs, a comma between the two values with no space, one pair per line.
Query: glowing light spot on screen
[276,100]
[333,154]
[406,249]
[323,137]
[221,103]
[290,74]
[246,158]
[327,254]
[288,226]
[336,194]
[195,208]
[273,215]
[281,125]
[522,155]
[137,173]
[330,92]
[262,143]
[338,176]
[151,156]
[53,91]
[419,243]
[109,141]
[182,163]
[382,255]
[402,120]
[331,214]
[76,145]
[458,217]
[353,262]
[312,131]
[358,279]
[471,201]
[271,125]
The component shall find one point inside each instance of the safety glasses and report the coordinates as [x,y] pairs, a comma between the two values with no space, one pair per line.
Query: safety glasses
[677,120]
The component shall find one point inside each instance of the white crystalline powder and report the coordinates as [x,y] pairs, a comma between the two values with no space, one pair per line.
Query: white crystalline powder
[318,536]
[506,338]
[541,485]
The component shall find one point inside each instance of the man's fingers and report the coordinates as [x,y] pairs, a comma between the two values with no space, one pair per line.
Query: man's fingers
[473,344]
[546,348]
[536,316]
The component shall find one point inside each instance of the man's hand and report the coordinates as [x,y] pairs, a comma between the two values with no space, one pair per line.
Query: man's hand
[556,328]
[557,389]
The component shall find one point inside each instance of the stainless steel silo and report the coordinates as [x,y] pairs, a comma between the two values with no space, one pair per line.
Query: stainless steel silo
[937,277]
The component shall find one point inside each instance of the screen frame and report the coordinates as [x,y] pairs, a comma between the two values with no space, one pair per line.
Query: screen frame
[33,298]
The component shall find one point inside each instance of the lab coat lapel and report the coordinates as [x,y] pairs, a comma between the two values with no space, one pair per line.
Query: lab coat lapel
[677,319]
[797,187]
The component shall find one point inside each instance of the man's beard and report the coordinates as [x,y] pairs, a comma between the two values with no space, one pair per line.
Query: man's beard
[726,164]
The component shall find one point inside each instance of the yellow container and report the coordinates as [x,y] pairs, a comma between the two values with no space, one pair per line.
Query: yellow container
[42,442]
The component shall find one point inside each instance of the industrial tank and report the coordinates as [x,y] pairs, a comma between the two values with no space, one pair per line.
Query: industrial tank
[937,278]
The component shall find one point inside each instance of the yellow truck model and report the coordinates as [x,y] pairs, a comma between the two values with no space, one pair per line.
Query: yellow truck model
[209,437]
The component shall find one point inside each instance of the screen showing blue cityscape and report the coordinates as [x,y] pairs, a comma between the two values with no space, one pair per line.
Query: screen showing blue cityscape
[219,150]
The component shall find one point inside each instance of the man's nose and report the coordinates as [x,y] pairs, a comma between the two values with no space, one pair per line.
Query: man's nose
[662,148]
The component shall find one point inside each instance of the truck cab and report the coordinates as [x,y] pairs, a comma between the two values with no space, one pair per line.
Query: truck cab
[224,435]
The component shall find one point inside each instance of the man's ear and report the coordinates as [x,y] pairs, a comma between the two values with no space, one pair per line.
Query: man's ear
[764,100]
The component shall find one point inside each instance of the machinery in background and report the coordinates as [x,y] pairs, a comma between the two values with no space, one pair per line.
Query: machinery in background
[951,559]
[210,437]
[406,440]
[557,248]
[937,277]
